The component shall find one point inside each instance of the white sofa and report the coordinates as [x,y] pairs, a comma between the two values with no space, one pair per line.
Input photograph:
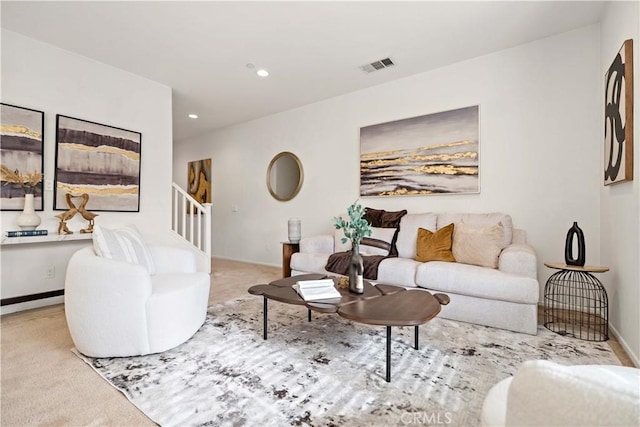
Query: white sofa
[543,393]
[506,297]
[116,308]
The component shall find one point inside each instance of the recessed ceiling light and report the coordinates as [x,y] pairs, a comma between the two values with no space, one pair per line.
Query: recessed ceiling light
[262,73]
[193,116]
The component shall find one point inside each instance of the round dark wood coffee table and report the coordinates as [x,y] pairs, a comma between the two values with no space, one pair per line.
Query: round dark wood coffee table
[382,305]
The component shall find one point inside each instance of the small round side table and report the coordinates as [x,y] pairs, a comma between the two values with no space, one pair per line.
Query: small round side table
[576,303]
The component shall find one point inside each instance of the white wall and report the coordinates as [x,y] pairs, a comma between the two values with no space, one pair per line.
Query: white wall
[540,150]
[43,77]
[620,212]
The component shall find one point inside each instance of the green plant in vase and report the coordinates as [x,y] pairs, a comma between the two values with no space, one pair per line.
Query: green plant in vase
[355,228]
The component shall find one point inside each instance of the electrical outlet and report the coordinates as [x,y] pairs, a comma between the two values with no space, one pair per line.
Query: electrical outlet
[48,185]
[234,208]
[51,272]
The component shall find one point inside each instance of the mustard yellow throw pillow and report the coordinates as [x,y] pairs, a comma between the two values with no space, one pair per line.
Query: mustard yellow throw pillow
[435,246]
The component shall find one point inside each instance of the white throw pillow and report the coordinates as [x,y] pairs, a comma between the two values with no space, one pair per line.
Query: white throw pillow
[379,243]
[124,244]
[408,235]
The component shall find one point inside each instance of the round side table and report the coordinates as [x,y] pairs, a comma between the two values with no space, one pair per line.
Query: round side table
[576,303]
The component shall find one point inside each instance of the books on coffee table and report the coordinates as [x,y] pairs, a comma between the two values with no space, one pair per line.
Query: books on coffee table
[313,290]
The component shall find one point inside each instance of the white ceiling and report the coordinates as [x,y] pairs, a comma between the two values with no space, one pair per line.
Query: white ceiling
[313,50]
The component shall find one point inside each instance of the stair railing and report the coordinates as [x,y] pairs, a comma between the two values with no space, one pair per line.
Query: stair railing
[191,220]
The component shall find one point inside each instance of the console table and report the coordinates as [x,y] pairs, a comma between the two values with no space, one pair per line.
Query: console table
[49,238]
[13,242]
[288,249]
[576,303]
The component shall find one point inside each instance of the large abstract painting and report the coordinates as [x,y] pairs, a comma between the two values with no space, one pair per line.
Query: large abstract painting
[618,117]
[99,160]
[199,177]
[21,156]
[431,154]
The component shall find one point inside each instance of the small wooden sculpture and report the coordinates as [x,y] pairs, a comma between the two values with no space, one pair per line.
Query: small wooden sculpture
[73,210]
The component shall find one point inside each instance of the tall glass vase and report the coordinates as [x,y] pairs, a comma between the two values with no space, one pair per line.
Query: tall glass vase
[356,271]
[28,219]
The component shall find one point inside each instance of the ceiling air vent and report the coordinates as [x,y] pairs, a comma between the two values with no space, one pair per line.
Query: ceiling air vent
[377,65]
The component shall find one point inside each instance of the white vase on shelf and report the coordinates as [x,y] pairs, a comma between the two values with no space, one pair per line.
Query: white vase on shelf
[28,219]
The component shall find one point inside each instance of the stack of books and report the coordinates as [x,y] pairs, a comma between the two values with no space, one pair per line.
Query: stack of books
[25,233]
[314,290]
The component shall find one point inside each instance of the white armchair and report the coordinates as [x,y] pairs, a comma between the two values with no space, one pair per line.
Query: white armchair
[115,308]
[543,393]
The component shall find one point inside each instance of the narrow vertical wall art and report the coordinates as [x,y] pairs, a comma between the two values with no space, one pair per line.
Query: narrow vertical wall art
[21,156]
[618,117]
[199,179]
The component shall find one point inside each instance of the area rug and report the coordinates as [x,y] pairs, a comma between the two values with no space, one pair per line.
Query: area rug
[330,371]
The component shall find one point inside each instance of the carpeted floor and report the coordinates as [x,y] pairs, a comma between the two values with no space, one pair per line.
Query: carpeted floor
[228,375]
[43,383]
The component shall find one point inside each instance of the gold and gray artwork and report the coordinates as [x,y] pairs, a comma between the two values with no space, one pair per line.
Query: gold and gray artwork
[431,154]
[21,150]
[98,160]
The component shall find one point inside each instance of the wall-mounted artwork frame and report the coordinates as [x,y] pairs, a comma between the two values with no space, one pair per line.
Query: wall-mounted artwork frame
[199,180]
[618,117]
[99,160]
[431,154]
[21,156]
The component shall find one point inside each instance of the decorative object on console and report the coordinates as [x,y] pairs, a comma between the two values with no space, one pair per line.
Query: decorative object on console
[430,154]
[435,246]
[356,228]
[27,233]
[576,232]
[73,210]
[199,181]
[99,160]
[294,230]
[28,219]
[22,164]
[618,117]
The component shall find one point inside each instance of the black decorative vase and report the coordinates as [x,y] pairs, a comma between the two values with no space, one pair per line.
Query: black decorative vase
[568,246]
[356,271]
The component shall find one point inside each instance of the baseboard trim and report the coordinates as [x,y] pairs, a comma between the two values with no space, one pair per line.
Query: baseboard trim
[213,257]
[612,331]
[625,346]
[32,297]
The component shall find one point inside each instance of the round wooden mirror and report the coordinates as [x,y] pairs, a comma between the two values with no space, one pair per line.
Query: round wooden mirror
[284,176]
